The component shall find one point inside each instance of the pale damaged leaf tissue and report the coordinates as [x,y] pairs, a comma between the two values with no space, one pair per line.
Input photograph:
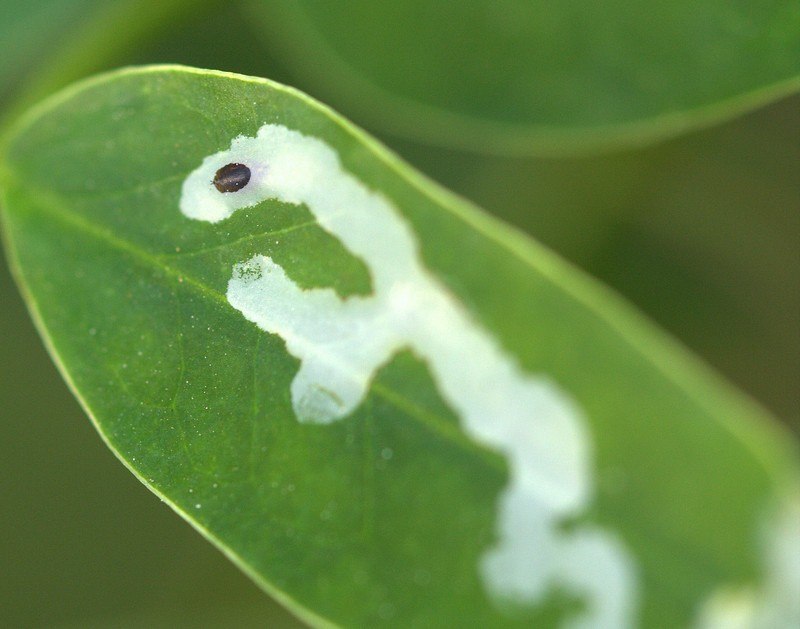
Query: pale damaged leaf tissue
[342,343]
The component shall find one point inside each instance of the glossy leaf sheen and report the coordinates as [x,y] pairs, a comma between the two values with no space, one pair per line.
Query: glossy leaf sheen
[381,517]
[530,76]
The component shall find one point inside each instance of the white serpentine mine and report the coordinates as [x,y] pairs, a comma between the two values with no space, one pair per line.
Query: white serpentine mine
[341,343]
[775,603]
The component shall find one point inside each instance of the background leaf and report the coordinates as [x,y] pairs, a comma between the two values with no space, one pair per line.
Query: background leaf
[53,42]
[86,207]
[26,35]
[84,545]
[534,77]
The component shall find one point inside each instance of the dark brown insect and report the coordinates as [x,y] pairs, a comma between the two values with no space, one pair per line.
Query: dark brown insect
[231,177]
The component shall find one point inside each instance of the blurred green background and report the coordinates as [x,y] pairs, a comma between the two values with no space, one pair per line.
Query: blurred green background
[701,232]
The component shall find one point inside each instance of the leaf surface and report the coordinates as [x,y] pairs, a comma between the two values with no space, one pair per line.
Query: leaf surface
[387,514]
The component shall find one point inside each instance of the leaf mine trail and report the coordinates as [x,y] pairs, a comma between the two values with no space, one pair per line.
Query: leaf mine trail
[341,343]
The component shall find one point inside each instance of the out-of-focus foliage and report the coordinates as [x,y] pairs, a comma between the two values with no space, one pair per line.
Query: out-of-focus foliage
[701,232]
[535,76]
[130,297]
[26,36]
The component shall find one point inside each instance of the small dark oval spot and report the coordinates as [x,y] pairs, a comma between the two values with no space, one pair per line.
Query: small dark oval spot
[231,177]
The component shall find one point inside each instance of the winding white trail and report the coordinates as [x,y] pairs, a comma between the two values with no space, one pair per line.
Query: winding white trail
[341,343]
[775,602]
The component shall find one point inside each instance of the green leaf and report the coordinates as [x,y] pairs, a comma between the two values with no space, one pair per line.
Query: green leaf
[542,455]
[537,77]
